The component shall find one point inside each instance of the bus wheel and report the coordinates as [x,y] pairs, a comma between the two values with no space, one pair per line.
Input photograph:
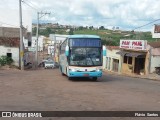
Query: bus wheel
[69,78]
[63,74]
[94,78]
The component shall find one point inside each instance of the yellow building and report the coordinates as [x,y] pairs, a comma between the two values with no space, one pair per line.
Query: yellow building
[134,57]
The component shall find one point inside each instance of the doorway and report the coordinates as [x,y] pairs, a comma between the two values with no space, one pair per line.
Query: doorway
[115,65]
[139,65]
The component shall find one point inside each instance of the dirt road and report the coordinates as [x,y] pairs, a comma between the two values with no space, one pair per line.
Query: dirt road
[48,90]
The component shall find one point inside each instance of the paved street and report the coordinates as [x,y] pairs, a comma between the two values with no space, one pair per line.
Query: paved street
[48,90]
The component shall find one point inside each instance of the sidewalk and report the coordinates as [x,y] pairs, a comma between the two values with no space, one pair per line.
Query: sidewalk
[152,76]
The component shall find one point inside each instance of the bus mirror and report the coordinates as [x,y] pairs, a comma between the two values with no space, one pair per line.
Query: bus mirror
[104,50]
[67,50]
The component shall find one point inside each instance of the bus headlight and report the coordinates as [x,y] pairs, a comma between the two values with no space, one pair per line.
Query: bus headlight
[98,70]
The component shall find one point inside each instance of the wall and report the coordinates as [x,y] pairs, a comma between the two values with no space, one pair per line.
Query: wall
[155,62]
[155,59]
[14,51]
[40,42]
[128,68]
[109,63]
[9,32]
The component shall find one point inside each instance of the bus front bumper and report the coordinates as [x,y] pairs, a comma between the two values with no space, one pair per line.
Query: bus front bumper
[85,74]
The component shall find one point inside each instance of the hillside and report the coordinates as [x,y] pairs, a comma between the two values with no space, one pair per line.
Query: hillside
[109,37]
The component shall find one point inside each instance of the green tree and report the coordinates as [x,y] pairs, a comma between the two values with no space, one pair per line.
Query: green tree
[101,28]
[4,60]
[34,31]
[71,31]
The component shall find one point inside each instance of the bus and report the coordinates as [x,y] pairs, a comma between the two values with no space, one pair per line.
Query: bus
[81,56]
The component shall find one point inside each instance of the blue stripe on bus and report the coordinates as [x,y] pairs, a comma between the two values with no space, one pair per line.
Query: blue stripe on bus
[85,74]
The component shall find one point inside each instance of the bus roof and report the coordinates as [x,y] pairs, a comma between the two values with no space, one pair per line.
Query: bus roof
[83,36]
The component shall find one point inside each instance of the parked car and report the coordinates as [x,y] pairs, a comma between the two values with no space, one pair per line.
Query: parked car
[56,64]
[49,64]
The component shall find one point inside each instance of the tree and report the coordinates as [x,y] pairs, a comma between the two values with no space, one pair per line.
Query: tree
[91,27]
[71,31]
[101,28]
[34,31]
[80,28]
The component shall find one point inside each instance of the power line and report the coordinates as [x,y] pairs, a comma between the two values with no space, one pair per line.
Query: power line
[33,4]
[30,5]
[146,24]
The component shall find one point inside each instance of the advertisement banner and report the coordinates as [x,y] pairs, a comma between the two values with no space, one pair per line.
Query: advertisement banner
[133,44]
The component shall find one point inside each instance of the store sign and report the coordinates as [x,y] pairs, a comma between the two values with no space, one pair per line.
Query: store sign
[133,44]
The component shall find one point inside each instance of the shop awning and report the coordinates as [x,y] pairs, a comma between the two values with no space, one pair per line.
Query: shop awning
[135,54]
[122,53]
[130,54]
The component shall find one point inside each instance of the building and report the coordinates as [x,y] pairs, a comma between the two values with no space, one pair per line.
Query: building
[156,31]
[112,60]
[56,40]
[40,43]
[139,57]
[134,56]
[154,49]
[10,41]
[10,47]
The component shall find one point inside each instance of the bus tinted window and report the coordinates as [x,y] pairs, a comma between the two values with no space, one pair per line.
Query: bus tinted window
[85,42]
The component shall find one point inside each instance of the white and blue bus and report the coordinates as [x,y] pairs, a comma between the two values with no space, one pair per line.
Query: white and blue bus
[81,56]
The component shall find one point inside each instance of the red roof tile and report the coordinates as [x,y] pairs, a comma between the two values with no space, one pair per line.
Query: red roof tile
[113,47]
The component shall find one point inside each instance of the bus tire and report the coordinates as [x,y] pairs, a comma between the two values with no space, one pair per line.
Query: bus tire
[63,74]
[94,78]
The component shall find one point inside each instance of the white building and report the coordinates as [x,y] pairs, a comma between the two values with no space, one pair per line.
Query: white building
[10,47]
[112,61]
[154,49]
[40,43]
[56,38]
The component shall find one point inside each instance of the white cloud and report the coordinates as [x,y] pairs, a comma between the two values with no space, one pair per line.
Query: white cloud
[124,13]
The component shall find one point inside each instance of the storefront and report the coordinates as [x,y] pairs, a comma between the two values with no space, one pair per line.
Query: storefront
[134,56]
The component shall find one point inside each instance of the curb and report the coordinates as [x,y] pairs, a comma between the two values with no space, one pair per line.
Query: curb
[142,77]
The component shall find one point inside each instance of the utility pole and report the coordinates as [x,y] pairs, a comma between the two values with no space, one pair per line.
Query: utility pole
[21,51]
[39,15]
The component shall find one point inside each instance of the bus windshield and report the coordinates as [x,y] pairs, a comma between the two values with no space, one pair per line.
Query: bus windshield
[82,56]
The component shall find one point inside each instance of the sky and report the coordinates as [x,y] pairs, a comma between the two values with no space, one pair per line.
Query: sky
[125,14]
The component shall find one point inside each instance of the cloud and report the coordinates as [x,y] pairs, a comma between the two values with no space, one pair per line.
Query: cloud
[126,14]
